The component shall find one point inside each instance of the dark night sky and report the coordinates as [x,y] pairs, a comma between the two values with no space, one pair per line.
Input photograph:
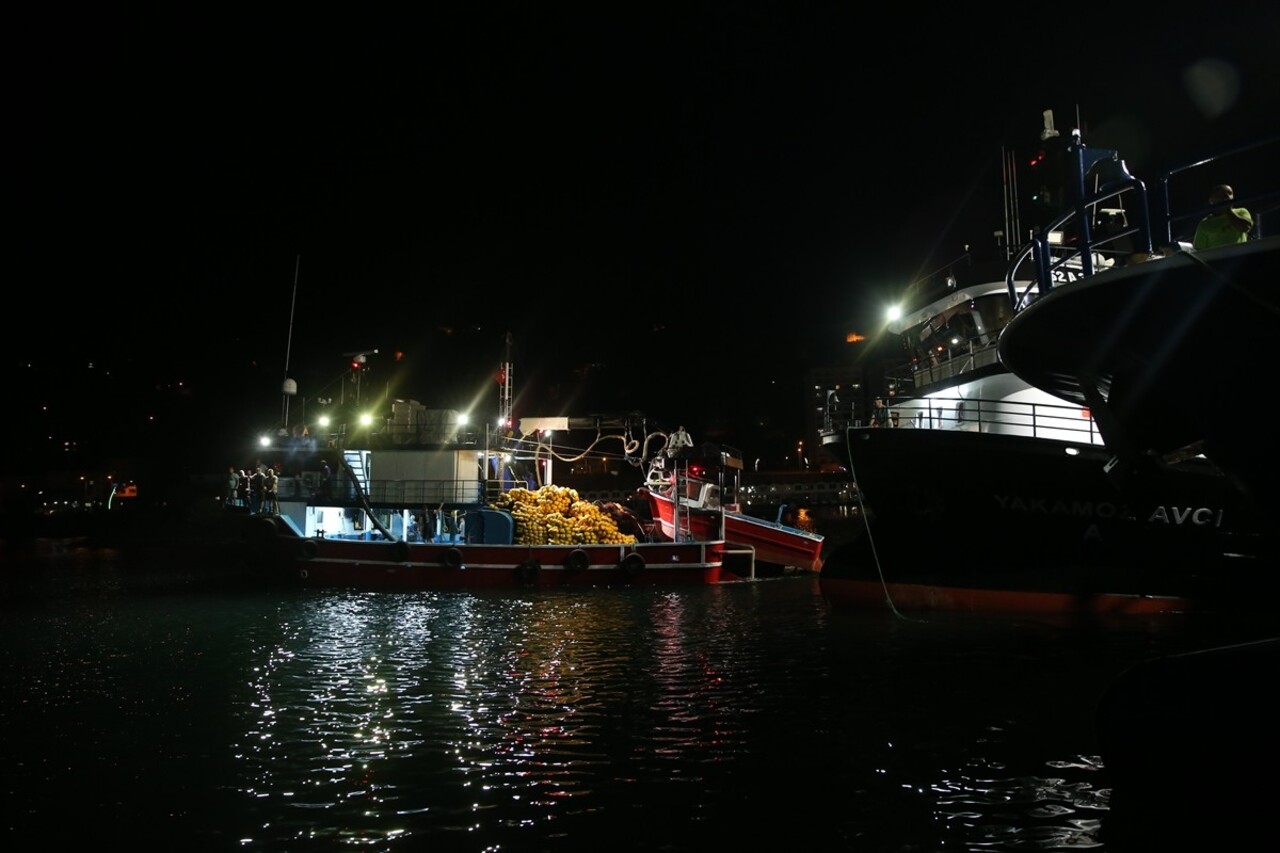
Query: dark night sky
[722,189]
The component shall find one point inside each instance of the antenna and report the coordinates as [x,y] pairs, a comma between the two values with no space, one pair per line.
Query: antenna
[358,360]
[1049,131]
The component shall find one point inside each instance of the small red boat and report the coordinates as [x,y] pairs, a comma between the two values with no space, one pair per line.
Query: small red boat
[709,511]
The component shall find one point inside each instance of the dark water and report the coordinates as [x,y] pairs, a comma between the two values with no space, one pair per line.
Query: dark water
[617,718]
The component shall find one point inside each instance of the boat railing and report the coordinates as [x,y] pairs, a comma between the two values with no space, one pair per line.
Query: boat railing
[1040,420]
[1260,200]
[424,435]
[838,491]
[417,493]
[972,355]
[1071,246]
[407,493]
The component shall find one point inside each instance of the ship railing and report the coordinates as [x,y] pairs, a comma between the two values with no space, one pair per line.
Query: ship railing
[1069,248]
[393,435]
[418,493]
[974,354]
[412,493]
[1040,420]
[1072,246]
[1260,198]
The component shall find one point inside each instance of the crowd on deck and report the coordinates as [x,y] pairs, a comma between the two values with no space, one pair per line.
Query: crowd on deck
[256,488]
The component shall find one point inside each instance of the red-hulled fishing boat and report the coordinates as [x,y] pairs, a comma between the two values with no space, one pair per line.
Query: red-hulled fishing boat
[708,510]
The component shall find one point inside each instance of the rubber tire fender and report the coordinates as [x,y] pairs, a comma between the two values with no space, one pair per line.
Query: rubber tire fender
[528,571]
[631,565]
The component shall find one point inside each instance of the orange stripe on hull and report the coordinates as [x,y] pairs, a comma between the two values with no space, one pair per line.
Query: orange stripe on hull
[869,595]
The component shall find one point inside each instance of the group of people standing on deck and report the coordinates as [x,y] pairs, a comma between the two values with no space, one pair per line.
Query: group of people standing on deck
[258,489]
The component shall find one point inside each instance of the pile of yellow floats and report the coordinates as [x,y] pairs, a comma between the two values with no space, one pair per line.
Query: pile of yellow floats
[555,515]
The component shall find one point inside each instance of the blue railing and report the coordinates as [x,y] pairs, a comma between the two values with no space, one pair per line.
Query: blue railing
[1258,201]
[1055,262]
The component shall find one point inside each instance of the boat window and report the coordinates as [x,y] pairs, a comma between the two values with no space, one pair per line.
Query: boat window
[948,338]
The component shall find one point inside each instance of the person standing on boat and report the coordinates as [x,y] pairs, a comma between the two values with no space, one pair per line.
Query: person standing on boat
[879,414]
[256,490]
[326,476]
[1224,227]
[680,440]
[233,484]
[271,491]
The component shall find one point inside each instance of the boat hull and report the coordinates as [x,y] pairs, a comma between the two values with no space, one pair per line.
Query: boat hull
[1171,729]
[1165,352]
[771,543]
[399,565]
[959,520]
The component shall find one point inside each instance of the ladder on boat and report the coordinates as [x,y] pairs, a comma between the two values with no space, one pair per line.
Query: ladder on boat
[353,461]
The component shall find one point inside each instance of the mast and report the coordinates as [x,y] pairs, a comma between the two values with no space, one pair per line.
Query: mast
[505,426]
[289,388]
[504,390]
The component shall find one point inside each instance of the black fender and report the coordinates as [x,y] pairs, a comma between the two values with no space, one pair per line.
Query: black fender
[528,571]
[577,560]
[632,564]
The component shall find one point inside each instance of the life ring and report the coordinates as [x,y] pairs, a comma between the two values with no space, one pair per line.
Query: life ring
[308,549]
[453,558]
[632,564]
[400,552]
[528,571]
[577,560]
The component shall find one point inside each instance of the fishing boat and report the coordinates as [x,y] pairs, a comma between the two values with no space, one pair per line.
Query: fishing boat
[419,499]
[1170,357]
[986,489]
[1168,354]
[695,496]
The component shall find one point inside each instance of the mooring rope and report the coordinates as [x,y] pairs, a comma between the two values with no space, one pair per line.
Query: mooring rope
[866,523]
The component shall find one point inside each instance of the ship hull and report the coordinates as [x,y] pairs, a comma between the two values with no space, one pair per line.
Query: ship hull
[280,548]
[959,520]
[775,544]
[1165,352]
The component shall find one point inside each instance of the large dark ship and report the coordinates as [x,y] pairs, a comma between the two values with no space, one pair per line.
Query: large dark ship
[1037,454]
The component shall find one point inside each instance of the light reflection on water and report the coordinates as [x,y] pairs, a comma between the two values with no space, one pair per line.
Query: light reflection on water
[634,719]
[461,714]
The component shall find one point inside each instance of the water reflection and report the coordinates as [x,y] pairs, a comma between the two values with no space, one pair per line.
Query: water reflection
[561,720]
[474,714]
